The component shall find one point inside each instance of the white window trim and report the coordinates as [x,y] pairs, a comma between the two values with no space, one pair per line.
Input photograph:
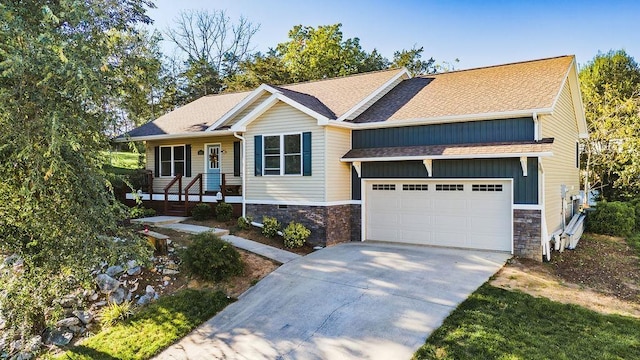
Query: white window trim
[173,170]
[282,155]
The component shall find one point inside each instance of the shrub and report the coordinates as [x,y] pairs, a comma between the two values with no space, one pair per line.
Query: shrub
[140,212]
[295,235]
[244,223]
[612,218]
[271,226]
[635,203]
[224,211]
[114,313]
[211,258]
[202,211]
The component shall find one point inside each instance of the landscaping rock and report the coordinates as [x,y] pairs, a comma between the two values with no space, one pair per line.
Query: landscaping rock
[94,297]
[134,288]
[115,270]
[68,301]
[149,290]
[134,271]
[70,321]
[34,344]
[170,272]
[84,316]
[60,338]
[144,299]
[23,355]
[77,329]
[118,296]
[3,325]
[106,283]
[100,304]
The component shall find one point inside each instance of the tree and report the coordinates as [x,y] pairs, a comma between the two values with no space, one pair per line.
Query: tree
[320,53]
[60,66]
[411,59]
[259,69]
[610,86]
[212,47]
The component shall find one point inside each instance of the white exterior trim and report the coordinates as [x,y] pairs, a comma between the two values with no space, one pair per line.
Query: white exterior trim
[253,96]
[572,78]
[442,119]
[527,207]
[175,136]
[303,203]
[206,163]
[192,198]
[241,125]
[443,157]
[375,93]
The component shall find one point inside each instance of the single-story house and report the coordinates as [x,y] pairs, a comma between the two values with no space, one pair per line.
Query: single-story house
[484,158]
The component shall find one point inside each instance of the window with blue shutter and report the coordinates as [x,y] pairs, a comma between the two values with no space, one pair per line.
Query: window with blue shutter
[257,156]
[306,154]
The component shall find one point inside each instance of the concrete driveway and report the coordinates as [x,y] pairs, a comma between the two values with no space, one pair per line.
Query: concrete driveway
[350,301]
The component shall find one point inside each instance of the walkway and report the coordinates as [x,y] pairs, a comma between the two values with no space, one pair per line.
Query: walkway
[174,223]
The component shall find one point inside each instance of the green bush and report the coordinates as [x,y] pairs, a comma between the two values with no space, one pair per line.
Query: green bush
[140,212]
[271,226]
[635,203]
[244,223]
[211,258]
[612,218]
[295,235]
[224,211]
[202,211]
[115,313]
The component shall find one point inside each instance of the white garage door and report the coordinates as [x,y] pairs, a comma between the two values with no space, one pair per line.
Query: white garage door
[466,213]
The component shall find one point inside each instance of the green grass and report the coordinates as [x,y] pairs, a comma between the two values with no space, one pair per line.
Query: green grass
[123,160]
[634,242]
[152,329]
[499,324]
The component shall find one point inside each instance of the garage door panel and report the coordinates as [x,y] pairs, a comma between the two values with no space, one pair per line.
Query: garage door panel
[461,213]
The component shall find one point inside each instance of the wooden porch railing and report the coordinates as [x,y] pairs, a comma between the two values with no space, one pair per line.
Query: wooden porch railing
[177,179]
[197,179]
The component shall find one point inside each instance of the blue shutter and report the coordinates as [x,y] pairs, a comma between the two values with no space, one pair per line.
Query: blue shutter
[187,161]
[156,172]
[306,154]
[236,158]
[257,156]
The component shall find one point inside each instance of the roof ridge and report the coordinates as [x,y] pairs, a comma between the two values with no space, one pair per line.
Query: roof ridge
[497,65]
[339,77]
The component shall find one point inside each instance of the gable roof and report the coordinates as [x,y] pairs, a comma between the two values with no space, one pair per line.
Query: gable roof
[525,86]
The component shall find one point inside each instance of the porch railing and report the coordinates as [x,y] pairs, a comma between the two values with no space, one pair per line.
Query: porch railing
[187,190]
[167,194]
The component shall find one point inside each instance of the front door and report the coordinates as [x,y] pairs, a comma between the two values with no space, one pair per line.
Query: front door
[212,170]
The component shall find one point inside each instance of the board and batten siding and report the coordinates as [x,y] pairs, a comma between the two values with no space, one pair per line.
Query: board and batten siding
[561,168]
[338,180]
[197,161]
[281,119]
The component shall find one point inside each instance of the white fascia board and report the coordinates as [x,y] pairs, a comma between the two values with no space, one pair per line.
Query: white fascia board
[175,136]
[255,94]
[576,99]
[376,92]
[446,157]
[241,125]
[441,119]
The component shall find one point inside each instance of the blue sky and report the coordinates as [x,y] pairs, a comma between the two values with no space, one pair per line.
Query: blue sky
[479,33]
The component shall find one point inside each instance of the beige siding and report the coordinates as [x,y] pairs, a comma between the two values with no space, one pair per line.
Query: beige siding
[561,167]
[338,180]
[197,161]
[282,119]
[377,97]
[247,110]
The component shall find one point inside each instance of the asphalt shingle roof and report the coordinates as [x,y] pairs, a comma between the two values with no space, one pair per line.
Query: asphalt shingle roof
[512,87]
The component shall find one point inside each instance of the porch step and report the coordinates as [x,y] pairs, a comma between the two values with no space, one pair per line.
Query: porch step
[159,220]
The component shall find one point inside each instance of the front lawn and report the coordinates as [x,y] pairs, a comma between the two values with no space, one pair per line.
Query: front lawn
[152,329]
[499,324]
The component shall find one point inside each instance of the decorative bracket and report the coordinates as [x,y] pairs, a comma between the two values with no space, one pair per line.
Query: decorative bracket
[428,163]
[356,165]
[523,164]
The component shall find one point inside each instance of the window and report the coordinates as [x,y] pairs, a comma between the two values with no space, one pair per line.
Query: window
[283,154]
[172,160]
[486,187]
[384,187]
[415,187]
[449,187]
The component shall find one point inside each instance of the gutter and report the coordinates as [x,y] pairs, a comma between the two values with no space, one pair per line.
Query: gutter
[175,136]
[243,173]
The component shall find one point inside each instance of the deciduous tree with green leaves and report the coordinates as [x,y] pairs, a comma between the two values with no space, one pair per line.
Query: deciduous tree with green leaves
[60,66]
[610,86]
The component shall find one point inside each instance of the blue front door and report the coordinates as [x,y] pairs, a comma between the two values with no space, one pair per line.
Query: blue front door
[213,162]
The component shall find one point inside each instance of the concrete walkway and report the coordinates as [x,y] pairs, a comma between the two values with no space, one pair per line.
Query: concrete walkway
[174,223]
[349,301]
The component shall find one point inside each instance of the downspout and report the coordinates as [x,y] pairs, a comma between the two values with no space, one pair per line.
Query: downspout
[243,172]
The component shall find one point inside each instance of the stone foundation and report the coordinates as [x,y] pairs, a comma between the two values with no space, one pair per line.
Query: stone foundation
[527,232]
[328,224]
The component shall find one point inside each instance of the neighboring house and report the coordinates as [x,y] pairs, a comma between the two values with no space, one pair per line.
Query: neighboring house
[483,158]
